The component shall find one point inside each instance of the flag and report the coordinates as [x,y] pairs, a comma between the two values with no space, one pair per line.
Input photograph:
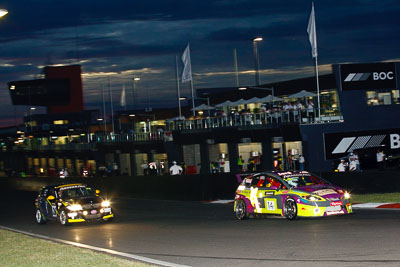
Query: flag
[187,68]
[123,99]
[312,34]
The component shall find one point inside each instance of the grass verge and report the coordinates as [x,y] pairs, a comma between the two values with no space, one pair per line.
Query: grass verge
[21,250]
[376,198]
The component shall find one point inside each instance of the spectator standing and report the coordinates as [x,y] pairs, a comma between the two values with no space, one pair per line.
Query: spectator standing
[240,163]
[310,111]
[342,166]
[251,164]
[145,167]
[301,162]
[352,166]
[357,160]
[380,159]
[175,169]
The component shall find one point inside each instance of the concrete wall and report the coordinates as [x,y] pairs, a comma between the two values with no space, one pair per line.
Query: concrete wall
[202,187]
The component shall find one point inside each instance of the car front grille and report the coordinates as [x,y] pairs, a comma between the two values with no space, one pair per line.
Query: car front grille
[91,206]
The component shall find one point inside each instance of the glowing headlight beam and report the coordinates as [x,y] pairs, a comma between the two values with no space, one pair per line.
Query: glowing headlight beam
[105,203]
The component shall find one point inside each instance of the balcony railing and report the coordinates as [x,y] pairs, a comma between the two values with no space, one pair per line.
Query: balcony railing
[126,137]
[272,119]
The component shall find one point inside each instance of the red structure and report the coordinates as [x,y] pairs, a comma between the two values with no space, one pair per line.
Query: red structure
[73,73]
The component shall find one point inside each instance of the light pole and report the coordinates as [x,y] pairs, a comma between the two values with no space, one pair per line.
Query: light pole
[256,61]
[134,81]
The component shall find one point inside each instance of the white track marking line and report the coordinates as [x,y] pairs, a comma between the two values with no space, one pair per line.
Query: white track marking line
[109,251]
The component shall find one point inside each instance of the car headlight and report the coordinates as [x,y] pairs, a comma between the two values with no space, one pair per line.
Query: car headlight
[74,207]
[313,198]
[105,203]
[347,195]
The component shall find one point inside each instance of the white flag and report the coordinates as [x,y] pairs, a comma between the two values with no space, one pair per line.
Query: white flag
[187,68]
[123,99]
[312,34]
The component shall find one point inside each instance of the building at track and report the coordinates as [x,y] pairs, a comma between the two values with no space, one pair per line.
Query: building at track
[357,112]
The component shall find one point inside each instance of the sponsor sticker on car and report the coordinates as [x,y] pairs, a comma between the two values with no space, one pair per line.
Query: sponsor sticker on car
[337,203]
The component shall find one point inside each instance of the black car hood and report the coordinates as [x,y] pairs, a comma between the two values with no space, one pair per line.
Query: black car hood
[86,200]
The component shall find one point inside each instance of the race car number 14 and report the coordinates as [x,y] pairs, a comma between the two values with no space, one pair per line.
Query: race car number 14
[270,205]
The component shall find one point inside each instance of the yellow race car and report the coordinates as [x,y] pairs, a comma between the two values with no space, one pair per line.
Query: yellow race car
[290,194]
[71,203]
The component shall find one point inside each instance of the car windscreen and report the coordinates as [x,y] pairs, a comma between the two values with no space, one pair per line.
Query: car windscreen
[75,192]
[304,180]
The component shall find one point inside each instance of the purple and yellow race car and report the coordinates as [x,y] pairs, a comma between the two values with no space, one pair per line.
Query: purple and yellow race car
[290,194]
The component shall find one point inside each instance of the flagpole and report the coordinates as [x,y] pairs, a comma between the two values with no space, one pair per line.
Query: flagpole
[104,108]
[123,97]
[111,100]
[177,86]
[317,78]
[235,63]
[312,35]
[187,73]
[194,111]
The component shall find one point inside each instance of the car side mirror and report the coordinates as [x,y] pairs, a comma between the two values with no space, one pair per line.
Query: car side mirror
[51,197]
[97,191]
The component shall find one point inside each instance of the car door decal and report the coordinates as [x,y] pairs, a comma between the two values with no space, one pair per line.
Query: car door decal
[271,205]
[54,210]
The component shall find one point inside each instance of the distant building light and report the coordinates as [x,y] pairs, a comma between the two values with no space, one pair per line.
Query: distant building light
[33,108]
[71,130]
[12,87]
[242,88]
[99,119]
[132,115]
[59,122]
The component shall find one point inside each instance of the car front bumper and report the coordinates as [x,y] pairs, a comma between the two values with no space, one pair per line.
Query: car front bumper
[90,215]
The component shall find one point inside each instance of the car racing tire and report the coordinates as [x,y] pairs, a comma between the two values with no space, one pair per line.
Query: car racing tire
[40,219]
[63,218]
[290,209]
[241,210]
[109,219]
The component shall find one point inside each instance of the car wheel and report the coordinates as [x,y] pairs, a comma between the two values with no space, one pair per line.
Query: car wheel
[241,210]
[39,217]
[290,209]
[109,219]
[63,218]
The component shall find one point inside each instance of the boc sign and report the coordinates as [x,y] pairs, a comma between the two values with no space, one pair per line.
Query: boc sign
[367,76]
[339,145]
[382,75]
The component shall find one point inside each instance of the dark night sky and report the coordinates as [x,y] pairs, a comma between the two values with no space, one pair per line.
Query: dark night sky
[126,39]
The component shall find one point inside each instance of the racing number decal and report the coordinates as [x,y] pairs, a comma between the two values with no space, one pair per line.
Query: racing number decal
[54,210]
[270,205]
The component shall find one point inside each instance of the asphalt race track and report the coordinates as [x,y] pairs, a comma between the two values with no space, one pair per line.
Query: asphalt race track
[202,234]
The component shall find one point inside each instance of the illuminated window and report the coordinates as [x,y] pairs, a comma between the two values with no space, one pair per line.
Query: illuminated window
[59,122]
[377,98]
